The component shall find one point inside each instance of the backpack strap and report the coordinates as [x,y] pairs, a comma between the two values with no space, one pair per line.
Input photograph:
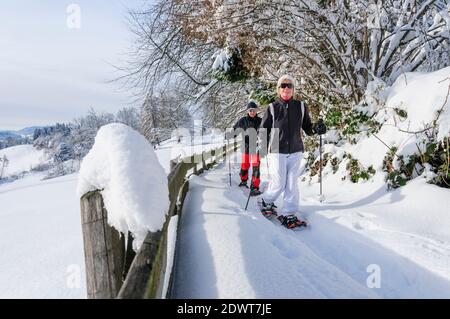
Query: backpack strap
[271,108]
[272,111]
[303,113]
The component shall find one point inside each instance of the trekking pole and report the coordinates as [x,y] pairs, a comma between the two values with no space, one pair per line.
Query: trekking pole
[248,198]
[229,161]
[321,197]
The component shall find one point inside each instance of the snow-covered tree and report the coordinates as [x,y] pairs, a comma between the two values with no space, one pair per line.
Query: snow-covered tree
[63,153]
[333,48]
[163,113]
[84,129]
[10,141]
[129,116]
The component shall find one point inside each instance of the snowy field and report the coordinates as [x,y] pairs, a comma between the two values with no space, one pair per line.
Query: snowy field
[22,158]
[41,251]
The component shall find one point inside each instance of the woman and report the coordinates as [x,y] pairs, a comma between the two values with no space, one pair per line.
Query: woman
[283,121]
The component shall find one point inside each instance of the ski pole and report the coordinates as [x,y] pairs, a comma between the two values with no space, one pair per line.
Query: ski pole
[229,163]
[248,198]
[320,167]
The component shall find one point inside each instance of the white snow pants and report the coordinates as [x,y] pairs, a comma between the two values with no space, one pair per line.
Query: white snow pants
[284,173]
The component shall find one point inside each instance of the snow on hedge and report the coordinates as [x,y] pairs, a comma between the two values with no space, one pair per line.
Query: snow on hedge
[411,104]
[422,96]
[222,61]
[123,165]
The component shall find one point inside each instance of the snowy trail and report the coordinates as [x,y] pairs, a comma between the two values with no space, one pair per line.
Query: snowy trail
[226,252]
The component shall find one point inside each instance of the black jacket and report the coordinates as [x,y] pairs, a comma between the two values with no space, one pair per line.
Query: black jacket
[244,124]
[286,120]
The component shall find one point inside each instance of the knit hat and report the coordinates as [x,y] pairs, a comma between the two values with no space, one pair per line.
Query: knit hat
[252,105]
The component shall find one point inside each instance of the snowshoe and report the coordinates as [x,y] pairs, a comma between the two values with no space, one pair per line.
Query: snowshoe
[255,192]
[268,210]
[243,184]
[266,206]
[291,221]
[272,215]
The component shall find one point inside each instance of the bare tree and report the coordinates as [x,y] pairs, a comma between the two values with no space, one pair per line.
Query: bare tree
[129,116]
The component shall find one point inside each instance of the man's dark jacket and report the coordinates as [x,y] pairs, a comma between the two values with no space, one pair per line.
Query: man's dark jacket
[245,123]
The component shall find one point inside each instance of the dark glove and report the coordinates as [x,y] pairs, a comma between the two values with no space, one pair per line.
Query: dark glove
[229,134]
[320,127]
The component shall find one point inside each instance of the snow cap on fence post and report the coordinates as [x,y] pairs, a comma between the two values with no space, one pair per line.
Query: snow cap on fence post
[134,186]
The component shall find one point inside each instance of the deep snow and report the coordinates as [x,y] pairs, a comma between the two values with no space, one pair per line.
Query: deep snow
[41,250]
[22,158]
[360,236]
[226,252]
[404,232]
[41,253]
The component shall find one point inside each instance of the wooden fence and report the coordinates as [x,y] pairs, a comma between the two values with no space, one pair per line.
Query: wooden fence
[113,269]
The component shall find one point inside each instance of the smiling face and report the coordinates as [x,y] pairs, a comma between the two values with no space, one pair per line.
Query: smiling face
[286,90]
[252,112]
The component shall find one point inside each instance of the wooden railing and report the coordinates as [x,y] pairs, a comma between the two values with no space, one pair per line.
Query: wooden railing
[115,271]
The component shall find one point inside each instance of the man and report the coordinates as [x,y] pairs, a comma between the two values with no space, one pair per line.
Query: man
[249,124]
[284,119]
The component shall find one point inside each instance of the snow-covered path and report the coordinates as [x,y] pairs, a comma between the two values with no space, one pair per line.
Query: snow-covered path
[361,231]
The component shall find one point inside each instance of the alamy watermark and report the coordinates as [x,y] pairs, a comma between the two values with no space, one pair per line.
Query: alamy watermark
[373,281]
[73,279]
[73,20]
[196,146]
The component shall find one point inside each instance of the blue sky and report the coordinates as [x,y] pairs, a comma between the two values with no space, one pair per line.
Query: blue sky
[51,73]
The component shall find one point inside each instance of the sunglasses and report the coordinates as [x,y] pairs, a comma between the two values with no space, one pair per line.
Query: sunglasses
[253,110]
[286,85]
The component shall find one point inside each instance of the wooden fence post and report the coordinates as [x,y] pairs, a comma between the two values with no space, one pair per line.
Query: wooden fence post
[145,264]
[104,249]
[129,256]
[107,261]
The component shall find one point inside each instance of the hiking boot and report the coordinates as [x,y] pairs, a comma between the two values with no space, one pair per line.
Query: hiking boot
[291,221]
[266,207]
[243,184]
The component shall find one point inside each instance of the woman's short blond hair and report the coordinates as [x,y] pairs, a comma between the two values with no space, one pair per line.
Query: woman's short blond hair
[289,78]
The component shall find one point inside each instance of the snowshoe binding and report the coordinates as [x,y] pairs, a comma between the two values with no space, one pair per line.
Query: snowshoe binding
[255,192]
[291,221]
[243,184]
[268,210]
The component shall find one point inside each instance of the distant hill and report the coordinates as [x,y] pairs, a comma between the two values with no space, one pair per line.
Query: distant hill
[6,134]
[25,132]
[28,131]
[12,138]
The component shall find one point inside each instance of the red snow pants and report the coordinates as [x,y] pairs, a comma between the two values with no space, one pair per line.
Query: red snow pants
[254,160]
